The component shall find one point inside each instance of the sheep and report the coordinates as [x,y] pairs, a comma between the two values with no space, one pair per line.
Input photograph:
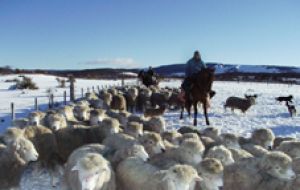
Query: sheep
[186,136]
[240,154]
[221,153]
[67,111]
[81,112]
[45,142]
[13,159]
[156,124]
[89,170]
[134,174]
[172,136]
[291,148]
[36,118]
[279,140]
[110,126]
[68,139]
[159,99]
[152,112]
[255,150]
[20,123]
[263,137]
[242,104]
[296,165]
[211,170]
[118,102]
[229,140]
[151,141]
[11,134]
[136,118]
[143,99]
[107,98]
[134,129]
[121,116]
[98,104]
[174,101]
[272,171]
[211,132]
[189,152]
[97,116]
[55,121]
[131,96]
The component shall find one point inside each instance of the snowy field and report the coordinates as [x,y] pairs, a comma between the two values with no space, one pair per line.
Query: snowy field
[266,113]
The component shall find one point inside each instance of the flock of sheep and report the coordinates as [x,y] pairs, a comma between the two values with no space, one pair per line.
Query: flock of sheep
[98,145]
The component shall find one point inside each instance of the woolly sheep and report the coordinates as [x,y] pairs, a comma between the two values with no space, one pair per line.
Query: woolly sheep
[67,111]
[255,150]
[291,148]
[20,123]
[118,102]
[263,137]
[211,170]
[13,160]
[279,140]
[155,124]
[143,99]
[68,139]
[189,152]
[89,171]
[97,116]
[221,153]
[229,140]
[186,136]
[152,112]
[134,129]
[55,121]
[121,116]
[36,118]
[240,154]
[81,112]
[211,132]
[136,118]
[272,171]
[242,104]
[131,96]
[172,136]
[134,174]
[160,99]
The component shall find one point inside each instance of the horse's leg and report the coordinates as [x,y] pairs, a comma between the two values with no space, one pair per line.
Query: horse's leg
[181,112]
[205,113]
[195,113]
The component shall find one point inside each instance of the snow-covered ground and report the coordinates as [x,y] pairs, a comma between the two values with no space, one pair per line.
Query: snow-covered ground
[266,113]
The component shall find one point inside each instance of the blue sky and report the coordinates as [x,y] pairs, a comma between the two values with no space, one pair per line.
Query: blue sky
[77,34]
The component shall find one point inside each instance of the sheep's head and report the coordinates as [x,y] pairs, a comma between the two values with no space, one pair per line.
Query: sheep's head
[230,140]
[152,143]
[24,149]
[191,151]
[34,118]
[263,137]
[81,112]
[110,126]
[93,171]
[221,153]
[211,170]
[96,117]
[56,121]
[136,151]
[278,165]
[181,177]
[134,129]
[211,132]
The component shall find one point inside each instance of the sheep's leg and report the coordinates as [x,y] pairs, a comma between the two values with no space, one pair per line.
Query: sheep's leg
[205,113]
[195,113]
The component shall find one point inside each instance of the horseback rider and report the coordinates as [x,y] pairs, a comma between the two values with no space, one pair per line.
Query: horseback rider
[193,66]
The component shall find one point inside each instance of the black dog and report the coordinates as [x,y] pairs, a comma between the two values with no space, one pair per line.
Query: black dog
[285,98]
[292,109]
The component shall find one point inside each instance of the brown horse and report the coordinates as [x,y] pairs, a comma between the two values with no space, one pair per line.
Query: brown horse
[200,92]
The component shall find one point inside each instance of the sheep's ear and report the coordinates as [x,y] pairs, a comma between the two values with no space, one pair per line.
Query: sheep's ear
[75,168]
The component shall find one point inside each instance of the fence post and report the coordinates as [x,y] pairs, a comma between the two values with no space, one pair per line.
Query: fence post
[93,88]
[65,97]
[36,104]
[98,87]
[88,89]
[81,92]
[13,115]
[72,88]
